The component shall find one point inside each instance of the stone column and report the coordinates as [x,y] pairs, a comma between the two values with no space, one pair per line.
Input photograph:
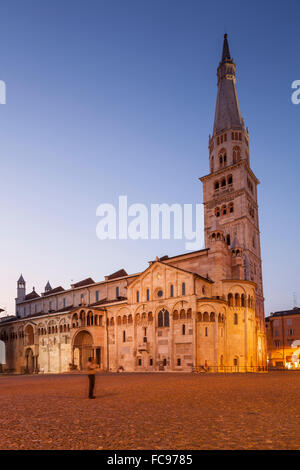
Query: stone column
[216,342]
[246,338]
[171,349]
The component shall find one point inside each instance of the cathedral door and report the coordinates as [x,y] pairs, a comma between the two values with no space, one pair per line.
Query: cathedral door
[29,361]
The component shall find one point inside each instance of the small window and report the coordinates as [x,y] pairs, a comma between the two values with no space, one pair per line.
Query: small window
[171,290]
[206,331]
[64,302]
[151,361]
[183,288]
[148,294]
[117,292]
[97,296]
[160,293]
[124,336]
[139,361]
[235,319]
[178,361]
[183,330]
[137,296]
[165,362]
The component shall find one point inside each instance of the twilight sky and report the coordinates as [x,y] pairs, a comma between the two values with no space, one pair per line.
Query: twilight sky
[116,97]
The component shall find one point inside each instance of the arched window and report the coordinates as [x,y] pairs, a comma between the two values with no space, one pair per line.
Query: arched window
[223,182]
[230,300]
[124,319]
[235,319]
[166,318]
[243,303]
[183,329]
[163,318]
[183,288]
[217,185]
[217,212]
[175,315]
[237,300]
[229,179]
[224,210]
[178,361]
[212,316]
[230,207]
[205,316]
[228,239]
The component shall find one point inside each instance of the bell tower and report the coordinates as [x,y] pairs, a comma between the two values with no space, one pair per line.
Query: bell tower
[230,189]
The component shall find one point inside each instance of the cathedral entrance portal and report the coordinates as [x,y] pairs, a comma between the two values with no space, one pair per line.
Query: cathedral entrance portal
[82,349]
[29,361]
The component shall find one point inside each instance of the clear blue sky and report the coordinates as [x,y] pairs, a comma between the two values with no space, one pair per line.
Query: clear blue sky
[117,97]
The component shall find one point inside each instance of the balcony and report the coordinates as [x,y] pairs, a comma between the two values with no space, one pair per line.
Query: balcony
[143,347]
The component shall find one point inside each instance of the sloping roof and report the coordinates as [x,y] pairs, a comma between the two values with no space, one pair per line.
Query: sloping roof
[107,301]
[120,273]
[21,279]
[32,295]
[84,282]
[282,313]
[53,291]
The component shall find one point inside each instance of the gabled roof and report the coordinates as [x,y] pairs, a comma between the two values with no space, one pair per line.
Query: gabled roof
[120,273]
[56,290]
[32,295]
[85,282]
[171,266]
[21,279]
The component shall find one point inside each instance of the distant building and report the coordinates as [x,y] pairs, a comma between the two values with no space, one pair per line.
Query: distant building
[202,309]
[283,339]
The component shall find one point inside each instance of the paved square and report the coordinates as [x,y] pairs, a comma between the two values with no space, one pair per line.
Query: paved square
[151,411]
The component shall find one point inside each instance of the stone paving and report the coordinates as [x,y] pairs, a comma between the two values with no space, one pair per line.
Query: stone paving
[151,411]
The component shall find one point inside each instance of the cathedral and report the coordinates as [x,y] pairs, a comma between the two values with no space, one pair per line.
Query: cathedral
[197,311]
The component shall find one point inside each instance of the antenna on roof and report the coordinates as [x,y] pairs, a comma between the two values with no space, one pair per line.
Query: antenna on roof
[294,300]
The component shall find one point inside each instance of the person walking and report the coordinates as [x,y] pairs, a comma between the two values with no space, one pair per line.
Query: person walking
[91,366]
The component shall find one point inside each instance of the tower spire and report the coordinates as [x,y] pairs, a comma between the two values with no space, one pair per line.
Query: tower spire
[226,52]
[227,115]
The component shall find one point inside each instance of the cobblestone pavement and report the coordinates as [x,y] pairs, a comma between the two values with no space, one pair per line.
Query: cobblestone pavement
[151,411]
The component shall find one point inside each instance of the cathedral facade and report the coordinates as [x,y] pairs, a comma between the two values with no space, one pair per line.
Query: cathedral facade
[202,310]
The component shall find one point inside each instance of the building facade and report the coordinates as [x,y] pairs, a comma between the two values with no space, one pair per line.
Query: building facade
[200,310]
[283,339]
